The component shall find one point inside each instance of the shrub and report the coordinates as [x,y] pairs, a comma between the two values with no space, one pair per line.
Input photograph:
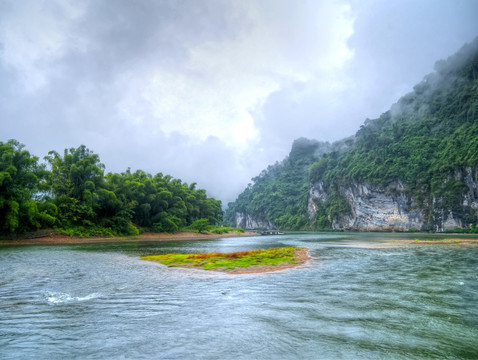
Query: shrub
[201,225]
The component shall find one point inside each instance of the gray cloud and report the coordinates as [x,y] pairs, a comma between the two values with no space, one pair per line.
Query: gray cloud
[211,91]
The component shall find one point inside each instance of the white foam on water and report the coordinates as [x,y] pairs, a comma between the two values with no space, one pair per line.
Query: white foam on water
[62,298]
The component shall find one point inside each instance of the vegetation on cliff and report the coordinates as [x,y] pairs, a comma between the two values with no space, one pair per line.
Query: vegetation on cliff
[428,137]
[279,194]
[73,195]
[425,141]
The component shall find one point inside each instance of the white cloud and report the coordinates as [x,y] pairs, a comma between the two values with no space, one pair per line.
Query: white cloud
[34,34]
[215,91]
[223,81]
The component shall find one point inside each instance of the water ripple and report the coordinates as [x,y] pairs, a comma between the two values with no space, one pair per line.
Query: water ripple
[361,302]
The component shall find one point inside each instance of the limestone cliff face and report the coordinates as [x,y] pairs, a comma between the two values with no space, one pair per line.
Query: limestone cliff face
[392,208]
[372,208]
[247,221]
[470,178]
[389,208]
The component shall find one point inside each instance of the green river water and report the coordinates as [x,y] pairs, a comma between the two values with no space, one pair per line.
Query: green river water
[361,296]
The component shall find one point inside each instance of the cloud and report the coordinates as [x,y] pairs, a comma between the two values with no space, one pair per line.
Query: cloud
[217,88]
[210,91]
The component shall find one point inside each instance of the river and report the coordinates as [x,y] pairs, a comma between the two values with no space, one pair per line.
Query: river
[360,297]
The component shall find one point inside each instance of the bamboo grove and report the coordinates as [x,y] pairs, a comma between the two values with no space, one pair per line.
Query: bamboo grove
[71,193]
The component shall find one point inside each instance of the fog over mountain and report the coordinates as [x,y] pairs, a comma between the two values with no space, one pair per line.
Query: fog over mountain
[211,91]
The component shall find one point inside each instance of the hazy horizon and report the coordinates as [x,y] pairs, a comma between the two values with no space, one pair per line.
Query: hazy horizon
[212,91]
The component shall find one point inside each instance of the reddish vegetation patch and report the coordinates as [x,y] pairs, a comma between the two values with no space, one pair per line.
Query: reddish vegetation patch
[233,255]
[301,256]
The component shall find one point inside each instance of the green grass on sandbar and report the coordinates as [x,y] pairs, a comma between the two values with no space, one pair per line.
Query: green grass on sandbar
[228,260]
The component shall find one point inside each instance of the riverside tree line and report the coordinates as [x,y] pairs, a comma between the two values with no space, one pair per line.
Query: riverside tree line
[71,193]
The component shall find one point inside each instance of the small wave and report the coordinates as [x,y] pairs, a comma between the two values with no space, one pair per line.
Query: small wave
[62,298]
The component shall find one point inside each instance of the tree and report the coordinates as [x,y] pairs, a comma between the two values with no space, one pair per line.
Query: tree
[20,177]
[78,199]
[201,225]
[75,180]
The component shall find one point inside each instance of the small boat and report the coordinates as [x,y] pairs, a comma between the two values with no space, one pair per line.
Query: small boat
[272,232]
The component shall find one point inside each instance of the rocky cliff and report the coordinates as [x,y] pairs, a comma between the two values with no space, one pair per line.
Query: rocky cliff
[247,221]
[393,208]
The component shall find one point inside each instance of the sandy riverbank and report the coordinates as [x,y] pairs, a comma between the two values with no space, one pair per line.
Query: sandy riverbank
[58,239]
[452,241]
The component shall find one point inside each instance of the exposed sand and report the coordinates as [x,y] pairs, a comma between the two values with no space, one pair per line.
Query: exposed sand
[58,239]
[451,241]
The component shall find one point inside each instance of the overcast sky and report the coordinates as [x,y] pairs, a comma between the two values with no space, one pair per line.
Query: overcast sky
[211,91]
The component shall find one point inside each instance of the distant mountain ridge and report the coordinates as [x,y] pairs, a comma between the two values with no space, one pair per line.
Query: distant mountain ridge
[414,167]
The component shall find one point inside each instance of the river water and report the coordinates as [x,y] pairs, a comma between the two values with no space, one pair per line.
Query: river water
[360,297]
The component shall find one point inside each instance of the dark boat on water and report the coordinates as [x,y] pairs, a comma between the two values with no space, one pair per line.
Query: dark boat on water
[272,232]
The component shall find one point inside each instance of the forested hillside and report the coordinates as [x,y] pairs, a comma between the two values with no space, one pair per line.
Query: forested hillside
[71,193]
[278,196]
[424,150]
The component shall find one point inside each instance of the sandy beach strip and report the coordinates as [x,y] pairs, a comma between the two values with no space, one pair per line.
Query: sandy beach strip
[59,239]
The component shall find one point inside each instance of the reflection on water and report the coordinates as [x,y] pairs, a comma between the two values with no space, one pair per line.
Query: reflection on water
[359,297]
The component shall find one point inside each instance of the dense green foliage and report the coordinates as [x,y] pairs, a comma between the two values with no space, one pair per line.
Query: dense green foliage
[201,225]
[75,179]
[21,178]
[471,230]
[76,198]
[279,194]
[427,141]
[224,230]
